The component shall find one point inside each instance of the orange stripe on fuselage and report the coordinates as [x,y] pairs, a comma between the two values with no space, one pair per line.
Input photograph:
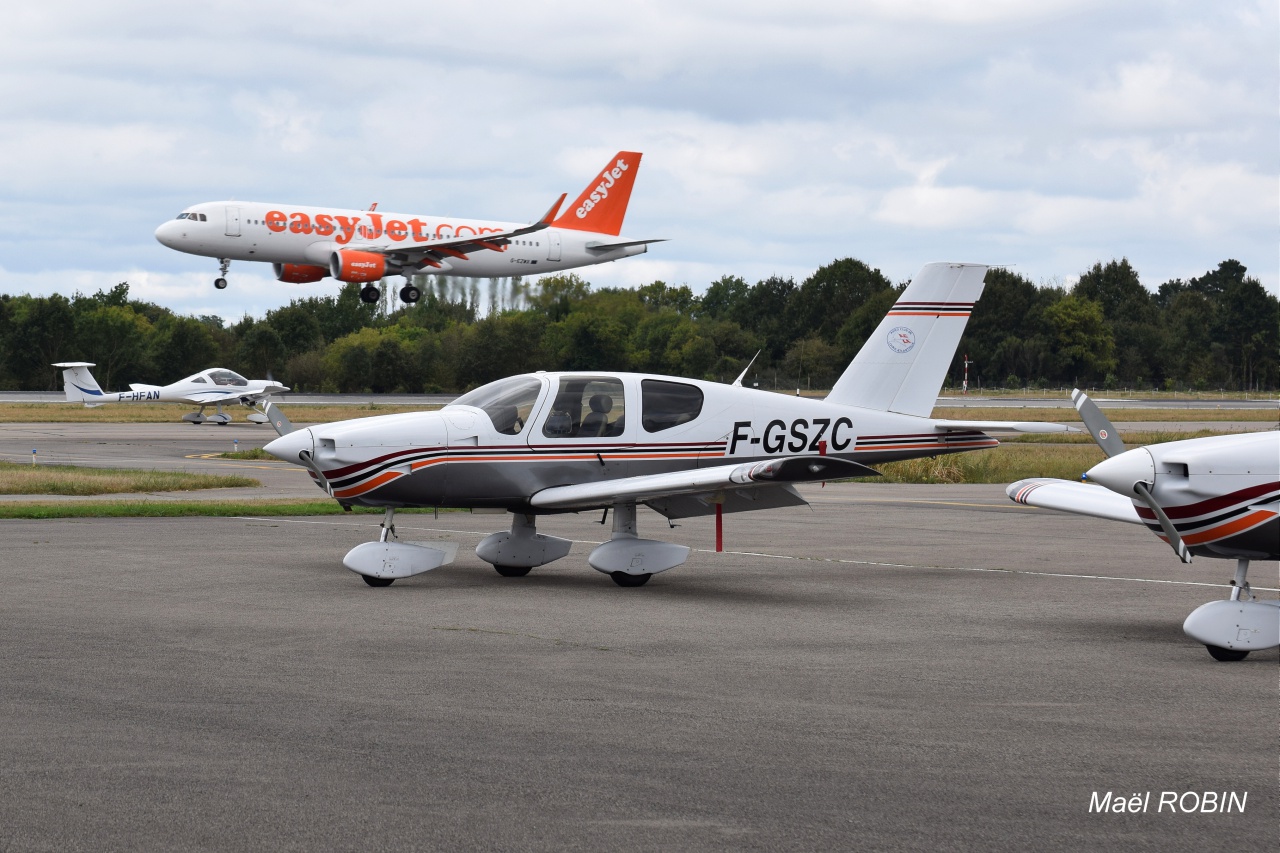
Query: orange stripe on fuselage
[380,480]
[1228,528]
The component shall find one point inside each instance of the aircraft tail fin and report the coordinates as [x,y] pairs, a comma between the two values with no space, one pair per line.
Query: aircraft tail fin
[902,365]
[603,204]
[79,383]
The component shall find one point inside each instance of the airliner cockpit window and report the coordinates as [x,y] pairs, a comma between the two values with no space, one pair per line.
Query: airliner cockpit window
[508,402]
[183,215]
[586,407]
[227,377]
[668,404]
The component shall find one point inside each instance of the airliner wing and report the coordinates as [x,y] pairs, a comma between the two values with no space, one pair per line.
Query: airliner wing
[437,253]
[1078,498]
[708,481]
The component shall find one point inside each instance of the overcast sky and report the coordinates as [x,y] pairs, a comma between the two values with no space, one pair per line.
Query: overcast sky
[777,137]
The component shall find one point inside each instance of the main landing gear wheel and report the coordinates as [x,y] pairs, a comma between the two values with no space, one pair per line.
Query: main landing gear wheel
[372,581]
[1219,653]
[220,283]
[410,294]
[370,294]
[513,571]
[624,579]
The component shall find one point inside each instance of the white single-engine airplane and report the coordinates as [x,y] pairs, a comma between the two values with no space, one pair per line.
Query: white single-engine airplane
[1212,497]
[305,244]
[212,387]
[545,443]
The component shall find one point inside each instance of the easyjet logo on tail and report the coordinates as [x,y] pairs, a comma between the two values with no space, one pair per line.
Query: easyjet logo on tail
[602,205]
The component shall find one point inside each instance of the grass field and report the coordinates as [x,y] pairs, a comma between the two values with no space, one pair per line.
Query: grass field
[20,479]
[179,509]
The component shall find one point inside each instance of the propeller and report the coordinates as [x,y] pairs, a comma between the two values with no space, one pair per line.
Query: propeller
[1124,475]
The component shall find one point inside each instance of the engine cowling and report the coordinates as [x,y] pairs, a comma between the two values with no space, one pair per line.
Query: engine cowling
[351,265]
[298,273]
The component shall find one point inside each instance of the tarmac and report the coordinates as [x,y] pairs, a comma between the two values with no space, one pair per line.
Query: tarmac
[894,668]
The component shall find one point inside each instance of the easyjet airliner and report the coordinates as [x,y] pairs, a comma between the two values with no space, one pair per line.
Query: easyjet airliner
[305,244]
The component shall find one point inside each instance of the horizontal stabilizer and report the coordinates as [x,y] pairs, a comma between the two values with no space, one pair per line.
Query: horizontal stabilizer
[1073,497]
[79,384]
[1004,426]
[602,246]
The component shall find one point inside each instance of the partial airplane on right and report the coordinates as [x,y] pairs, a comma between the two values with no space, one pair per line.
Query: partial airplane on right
[1212,497]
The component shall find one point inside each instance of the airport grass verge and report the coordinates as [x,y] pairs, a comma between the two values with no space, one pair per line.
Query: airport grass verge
[21,479]
[165,413]
[181,509]
[998,465]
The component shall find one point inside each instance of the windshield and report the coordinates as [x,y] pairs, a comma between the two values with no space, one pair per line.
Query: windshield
[507,402]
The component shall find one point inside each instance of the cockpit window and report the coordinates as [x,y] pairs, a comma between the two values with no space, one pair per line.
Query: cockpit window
[586,407]
[200,379]
[668,404]
[507,402]
[184,215]
[227,377]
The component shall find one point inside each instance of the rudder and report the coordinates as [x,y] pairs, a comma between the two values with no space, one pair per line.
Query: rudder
[902,365]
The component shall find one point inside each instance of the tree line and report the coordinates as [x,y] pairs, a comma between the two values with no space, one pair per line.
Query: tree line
[1219,330]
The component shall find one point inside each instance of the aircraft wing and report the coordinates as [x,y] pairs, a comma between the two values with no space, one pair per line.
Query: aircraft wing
[1003,426]
[437,253]
[1078,498]
[746,475]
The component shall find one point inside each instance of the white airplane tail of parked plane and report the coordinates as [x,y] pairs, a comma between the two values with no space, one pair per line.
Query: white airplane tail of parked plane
[1213,497]
[305,244]
[545,443]
[213,387]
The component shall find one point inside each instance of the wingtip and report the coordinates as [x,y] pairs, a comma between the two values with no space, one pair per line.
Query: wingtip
[551,214]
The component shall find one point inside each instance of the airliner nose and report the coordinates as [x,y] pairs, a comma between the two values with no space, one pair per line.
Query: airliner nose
[288,446]
[169,233]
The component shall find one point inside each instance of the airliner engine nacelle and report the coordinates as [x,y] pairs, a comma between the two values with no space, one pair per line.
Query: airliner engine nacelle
[350,265]
[298,273]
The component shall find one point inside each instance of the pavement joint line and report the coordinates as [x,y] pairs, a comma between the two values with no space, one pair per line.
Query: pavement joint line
[820,559]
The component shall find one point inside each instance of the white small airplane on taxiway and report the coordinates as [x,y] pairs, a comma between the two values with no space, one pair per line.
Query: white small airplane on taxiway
[305,244]
[1212,497]
[213,387]
[545,443]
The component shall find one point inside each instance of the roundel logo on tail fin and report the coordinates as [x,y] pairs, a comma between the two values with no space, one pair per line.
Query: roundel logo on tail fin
[901,339]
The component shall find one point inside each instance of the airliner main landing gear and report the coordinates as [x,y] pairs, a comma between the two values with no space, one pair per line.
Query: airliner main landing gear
[410,294]
[220,282]
[370,294]
[1231,629]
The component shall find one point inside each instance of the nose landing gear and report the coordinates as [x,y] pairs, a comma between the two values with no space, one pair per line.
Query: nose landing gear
[221,281]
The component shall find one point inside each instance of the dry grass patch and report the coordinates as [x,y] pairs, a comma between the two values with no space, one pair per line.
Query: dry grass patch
[1069,416]
[19,479]
[997,465]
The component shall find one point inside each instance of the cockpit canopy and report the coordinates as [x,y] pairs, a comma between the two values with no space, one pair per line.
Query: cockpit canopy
[194,217]
[219,377]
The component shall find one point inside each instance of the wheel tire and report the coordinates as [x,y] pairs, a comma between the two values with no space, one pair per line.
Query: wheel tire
[513,571]
[410,294]
[371,581]
[370,294]
[1219,653]
[220,283]
[624,579]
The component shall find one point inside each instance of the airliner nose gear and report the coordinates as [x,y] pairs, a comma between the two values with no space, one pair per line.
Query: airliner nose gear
[220,282]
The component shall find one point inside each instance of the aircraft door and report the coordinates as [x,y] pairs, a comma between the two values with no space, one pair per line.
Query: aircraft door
[584,430]
[553,245]
[233,222]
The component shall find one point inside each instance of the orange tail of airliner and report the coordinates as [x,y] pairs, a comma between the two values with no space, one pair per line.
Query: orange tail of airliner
[603,204]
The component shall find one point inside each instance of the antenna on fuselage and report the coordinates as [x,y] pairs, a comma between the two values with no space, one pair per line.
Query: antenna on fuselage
[737,383]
